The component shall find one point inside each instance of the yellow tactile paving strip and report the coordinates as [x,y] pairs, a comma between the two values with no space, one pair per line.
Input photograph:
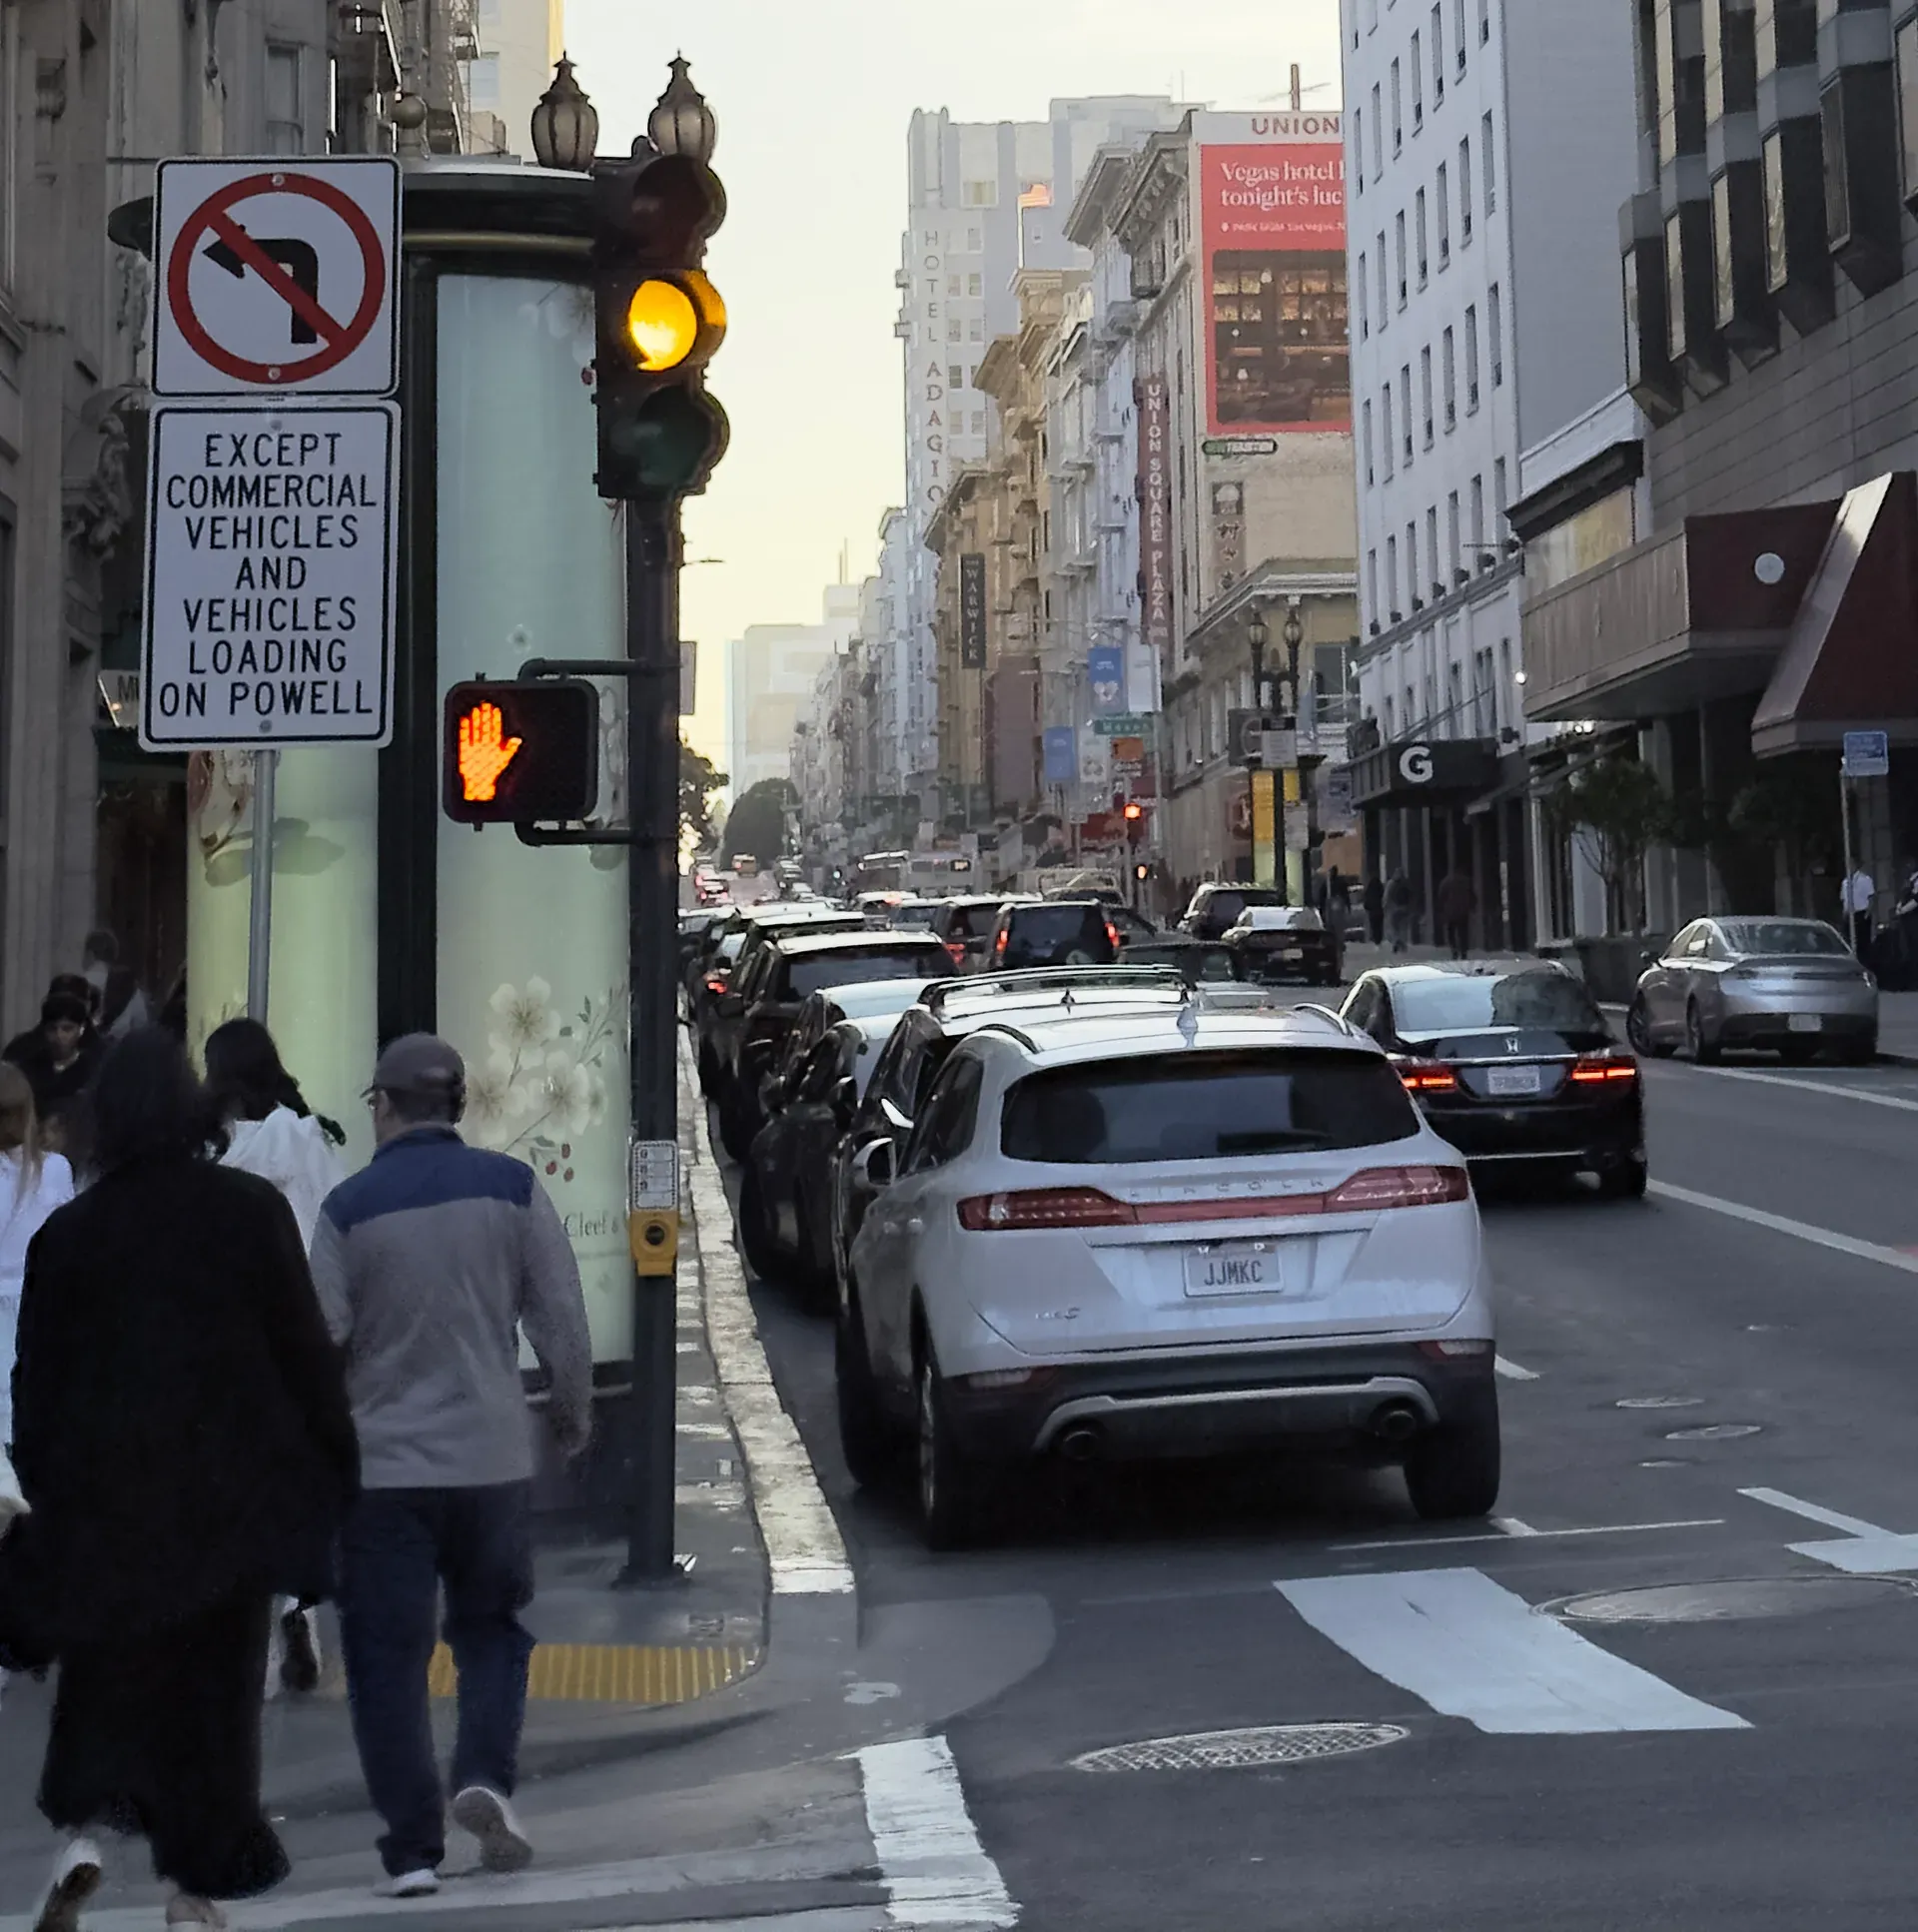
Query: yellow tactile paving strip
[608,1673]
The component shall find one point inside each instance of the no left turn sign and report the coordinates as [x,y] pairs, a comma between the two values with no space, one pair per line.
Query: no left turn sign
[275,277]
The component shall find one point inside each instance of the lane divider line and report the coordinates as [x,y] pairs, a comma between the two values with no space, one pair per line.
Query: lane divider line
[1781,1225]
[1809,1086]
[924,1840]
[1405,1544]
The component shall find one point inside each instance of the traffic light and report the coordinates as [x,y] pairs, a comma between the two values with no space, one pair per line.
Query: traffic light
[658,321]
[521,754]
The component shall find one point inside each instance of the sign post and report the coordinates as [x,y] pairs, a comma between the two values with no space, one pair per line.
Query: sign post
[1867,754]
[272,525]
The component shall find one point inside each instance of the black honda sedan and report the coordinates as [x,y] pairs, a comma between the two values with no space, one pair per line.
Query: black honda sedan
[1512,1061]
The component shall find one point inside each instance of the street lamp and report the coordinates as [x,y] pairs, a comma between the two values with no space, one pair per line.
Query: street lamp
[1294,636]
[681,122]
[1257,634]
[565,124]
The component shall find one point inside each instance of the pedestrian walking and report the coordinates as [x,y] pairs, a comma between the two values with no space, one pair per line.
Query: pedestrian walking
[1456,902]
[1398,904]
[428,1264]
[60,1057]
[1859,893]
[182,1435]
[1374,901]
[33,1181]
[265,1127]
[120,1004]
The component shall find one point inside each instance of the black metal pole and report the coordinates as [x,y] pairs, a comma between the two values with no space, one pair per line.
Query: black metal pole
[653,557]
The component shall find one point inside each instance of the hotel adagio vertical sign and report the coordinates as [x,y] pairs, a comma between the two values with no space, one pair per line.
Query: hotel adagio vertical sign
[1155,514]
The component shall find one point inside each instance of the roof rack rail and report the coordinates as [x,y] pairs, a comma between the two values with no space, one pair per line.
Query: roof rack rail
[1319,1012]
[1011,1032]
[1038,979]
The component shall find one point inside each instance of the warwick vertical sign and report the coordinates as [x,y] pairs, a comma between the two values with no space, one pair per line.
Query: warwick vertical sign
[1155,515]
[972,610]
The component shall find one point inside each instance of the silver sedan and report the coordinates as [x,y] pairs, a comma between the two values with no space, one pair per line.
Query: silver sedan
[1792,985]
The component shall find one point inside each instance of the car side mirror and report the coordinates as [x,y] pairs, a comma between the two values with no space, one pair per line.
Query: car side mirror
[872,1166]
[1649,957]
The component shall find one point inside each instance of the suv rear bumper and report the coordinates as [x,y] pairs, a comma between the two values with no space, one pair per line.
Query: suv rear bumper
[1206,1406]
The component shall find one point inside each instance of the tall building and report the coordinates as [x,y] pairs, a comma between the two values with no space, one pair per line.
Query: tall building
[1487,145]
[770,675]
[984,200]
[516,46]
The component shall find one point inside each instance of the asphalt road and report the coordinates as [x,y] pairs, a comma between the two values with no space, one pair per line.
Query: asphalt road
[1733,1751]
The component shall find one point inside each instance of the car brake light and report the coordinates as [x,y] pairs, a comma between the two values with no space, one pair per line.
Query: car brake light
[1045,1207]
[1379,1188]
[1428,1076]
[1604,1069]
[715,983]
[1112,933]
[957,949]
[1453,1350]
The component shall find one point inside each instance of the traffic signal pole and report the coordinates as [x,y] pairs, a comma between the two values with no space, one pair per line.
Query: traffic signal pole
[654,555]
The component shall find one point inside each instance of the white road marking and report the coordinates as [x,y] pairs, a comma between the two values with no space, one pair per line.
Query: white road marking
[1864,1550]
[1798,1230]
[1506,1535]
[1511,1370]
[924,1839]
[1512,1527]
[1811,1086]
[804,1550]
[1472,1650]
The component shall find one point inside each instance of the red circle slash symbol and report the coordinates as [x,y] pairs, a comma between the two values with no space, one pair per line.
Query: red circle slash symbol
[338,339]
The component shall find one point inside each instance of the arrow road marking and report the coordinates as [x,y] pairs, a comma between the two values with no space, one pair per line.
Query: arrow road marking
[1471,1648]
[253,255]
[301,260]
[1863,1550]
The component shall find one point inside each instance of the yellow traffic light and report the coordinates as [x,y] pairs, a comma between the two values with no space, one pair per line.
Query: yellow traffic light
[662,324]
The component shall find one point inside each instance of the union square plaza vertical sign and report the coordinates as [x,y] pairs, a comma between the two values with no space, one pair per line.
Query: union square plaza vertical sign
[1272,195]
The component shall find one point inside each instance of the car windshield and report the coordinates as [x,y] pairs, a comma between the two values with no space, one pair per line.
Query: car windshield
[729,946]
[1811,937]
[813,975]
[914,915]
[1204,1107]
[1054,925]
[1472,1003]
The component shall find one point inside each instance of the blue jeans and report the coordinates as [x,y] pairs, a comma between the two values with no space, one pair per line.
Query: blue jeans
[399,1547]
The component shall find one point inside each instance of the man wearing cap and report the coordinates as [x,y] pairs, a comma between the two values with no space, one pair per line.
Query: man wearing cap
[428,1264]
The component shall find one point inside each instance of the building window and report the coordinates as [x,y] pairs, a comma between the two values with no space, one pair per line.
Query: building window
[1365,424]
[1405,408]
[1507,688]
[978,422]
[1465,193]
[1495,328]
[953,285]
[1908,104]
[1419,231]
[1397,110]
[1364,306]
[955,376]
[1488,164]
[955,331]
[9,151]
[1378,134]
[1458,33]
[1425,389]
[1438,56]
[1477,515]
[975,240]
[1432,553]
[1413,590]
[1399,225]
[1472,360]
[976,328]
[1385,307]
[1418,85]
[1448,374]
[1393,608]
[1372,585]
[975,285]
[1389,448]
[1443,193]
[1484,22]
[285,125]
[1499,500]
[1452,536]
[981,194]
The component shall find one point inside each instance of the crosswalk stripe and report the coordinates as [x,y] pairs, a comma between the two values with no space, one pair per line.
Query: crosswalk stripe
[1471,1648]
[924,1840]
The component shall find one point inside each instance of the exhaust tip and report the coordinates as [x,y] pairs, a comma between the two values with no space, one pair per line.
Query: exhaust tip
[1081,1444]
[1397,1422]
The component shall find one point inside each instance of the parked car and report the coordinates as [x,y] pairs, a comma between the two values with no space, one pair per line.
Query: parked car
[1198,960]
[785,1188]
[1052,932]
[1791,984]
[1216,907]
[928,1031]
[756,1013]
[1165,1234]
[1284,942]
[1513,1064]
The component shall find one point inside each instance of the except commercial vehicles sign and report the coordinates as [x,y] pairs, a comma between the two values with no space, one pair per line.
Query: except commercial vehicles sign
[972,610]
[269,563]
[1867,754]
[1155,516]
[275,277]
[1274,213]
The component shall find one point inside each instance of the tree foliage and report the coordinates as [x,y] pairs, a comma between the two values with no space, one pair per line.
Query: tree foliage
[1792,807]
[1617,809]
[757,821]
[697,783]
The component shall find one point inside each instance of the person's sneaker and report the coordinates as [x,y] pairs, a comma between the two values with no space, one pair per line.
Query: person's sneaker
[420,1884]
[300,1666]
[503,1847]
[76,1877]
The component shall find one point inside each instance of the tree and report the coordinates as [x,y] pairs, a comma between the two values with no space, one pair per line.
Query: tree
[757,822]
[1791,809]
[1618,809]
[697,783]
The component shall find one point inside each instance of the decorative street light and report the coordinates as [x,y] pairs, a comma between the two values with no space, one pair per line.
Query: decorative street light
[681,122]
[1257,634]
[1294,636]
[565,124]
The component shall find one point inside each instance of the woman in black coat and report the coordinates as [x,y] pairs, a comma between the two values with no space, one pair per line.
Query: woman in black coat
[183,1437]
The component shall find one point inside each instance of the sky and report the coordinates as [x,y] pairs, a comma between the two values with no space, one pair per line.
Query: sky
[813,103]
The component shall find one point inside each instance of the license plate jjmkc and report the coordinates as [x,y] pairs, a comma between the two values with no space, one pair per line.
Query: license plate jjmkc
[1804,1022]
[1507,1083]
[1235,1268]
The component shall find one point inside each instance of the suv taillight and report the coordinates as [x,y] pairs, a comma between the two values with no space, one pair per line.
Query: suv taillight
[957,949]
[715,982]
[1428,1076]
[1045,1207]
[1604,1069]
[1379,1188]
[1112,933]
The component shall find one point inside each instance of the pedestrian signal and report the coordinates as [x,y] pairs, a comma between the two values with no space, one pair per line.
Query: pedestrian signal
[521,754]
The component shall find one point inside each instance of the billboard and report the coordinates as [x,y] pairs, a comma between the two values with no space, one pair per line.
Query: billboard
[1278,358]
[1062,754]
[1106,667]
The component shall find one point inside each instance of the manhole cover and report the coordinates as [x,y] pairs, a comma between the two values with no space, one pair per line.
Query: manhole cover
[1711,1432]
[1661,1401]
[1726,1602]
[1240,1751]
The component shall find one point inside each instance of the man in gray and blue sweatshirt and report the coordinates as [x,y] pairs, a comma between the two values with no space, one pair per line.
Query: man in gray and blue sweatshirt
[429,1263]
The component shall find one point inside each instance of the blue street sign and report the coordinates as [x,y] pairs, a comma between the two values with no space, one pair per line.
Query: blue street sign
[1867,754]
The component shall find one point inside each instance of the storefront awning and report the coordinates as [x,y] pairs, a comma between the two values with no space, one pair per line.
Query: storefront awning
[1852,659]
[1425,771]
